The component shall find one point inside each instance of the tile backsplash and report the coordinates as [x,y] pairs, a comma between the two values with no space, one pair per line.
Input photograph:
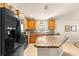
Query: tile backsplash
[42,25]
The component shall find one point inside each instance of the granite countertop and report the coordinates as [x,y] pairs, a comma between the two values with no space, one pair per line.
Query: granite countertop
[42,32]
[50,41]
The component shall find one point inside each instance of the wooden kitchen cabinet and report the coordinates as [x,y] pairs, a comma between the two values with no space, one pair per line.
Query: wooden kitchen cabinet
[5,5]
[31,24]
[8,6]
[33,37]
[51,24]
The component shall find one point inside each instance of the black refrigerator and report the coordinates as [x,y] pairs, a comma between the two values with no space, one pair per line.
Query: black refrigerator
[11,38]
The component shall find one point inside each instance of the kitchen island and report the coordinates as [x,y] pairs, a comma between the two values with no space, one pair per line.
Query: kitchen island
[51,45]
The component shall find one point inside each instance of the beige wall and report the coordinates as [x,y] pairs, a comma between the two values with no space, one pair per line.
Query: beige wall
[69,19]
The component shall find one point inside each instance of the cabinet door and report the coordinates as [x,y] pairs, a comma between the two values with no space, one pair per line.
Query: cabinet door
[25,23]
[2,5]
[31,24]
[51,24]
[32,38]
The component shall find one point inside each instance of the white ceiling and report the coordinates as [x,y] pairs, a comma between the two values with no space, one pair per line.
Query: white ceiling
[37,10]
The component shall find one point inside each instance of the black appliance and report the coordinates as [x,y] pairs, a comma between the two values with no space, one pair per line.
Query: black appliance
[11,37]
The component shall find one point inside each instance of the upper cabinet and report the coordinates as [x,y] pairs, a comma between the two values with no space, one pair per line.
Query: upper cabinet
[30,24]
[8,6]
[51,24]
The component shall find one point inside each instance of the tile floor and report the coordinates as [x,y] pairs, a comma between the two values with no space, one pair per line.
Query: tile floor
[68,48]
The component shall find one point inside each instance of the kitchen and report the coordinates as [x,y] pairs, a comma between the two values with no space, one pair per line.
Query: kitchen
[50,29]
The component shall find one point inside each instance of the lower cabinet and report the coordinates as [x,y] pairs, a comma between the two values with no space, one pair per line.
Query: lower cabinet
[33,37]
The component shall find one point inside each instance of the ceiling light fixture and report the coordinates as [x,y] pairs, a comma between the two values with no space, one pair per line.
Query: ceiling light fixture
[46,7]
